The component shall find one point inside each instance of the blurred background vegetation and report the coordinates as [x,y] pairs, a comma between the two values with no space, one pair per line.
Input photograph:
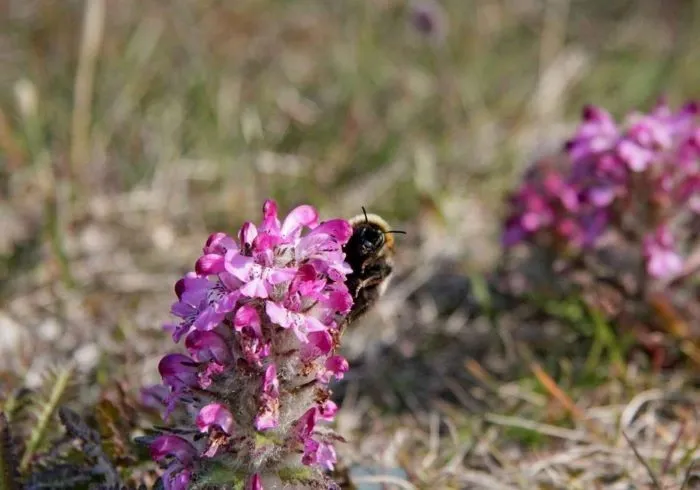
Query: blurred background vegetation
[131,129]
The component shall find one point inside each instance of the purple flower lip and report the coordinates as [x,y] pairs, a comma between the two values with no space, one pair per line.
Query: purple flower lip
[173,446]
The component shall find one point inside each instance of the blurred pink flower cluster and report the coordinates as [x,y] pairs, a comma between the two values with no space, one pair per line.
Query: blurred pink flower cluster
[260,318]
[641,179]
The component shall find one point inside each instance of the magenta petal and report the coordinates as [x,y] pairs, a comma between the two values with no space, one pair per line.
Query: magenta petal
[265,242]
[214,414]
[340,301]
[178,371]
[307,423]
[320,343]
[327,410]
[177,447]
[339,229]
[270,223]
[209,264]
[206,346]
[247,316]
[247,235]
[338,365]
[219,243]
[254,483]
[298,218]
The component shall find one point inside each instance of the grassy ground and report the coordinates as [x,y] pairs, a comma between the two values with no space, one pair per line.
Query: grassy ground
[131,129]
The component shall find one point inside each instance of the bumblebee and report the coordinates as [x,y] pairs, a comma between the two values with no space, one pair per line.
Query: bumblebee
[369,252]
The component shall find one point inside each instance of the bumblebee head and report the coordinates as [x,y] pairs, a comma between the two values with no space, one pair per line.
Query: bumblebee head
[371,234]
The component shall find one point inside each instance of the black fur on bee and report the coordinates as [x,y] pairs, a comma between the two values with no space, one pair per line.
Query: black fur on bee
[369,252]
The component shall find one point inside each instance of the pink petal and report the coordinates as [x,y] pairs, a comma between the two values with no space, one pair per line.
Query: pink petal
[169,445]
[337,365]
[280,275]
[266,420]
[209,318]
[319,344]
[636,157]
[247,316]
[299,217]
[219,243]
[270,382]
[326,456]
[339,229]
[214,414]
[312,245]
[247,235]
[271,223]
[255,289]
[239,265]
[278,314]
[313,324]
[327,410]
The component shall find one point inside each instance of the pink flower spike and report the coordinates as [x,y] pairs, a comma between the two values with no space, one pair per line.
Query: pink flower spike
[300,217]
[214,414]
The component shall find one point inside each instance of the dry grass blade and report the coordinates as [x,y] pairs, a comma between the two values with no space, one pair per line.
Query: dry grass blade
[654,479]
[546,429]
[672,448]
[93,29]
[565,400]
[386,480]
